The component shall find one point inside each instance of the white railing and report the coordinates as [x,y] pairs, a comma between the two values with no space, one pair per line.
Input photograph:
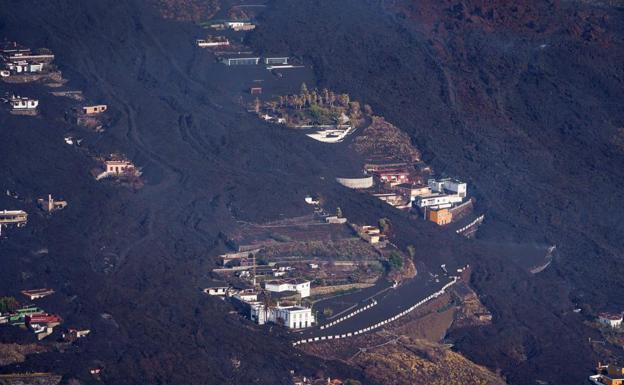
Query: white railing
[358,311]
[478,220]
[381,323]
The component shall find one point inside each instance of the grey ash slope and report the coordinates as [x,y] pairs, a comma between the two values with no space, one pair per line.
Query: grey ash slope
[139,255]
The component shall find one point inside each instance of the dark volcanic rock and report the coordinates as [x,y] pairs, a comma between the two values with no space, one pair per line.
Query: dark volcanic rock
[137,256]
[523,101]
[526,108]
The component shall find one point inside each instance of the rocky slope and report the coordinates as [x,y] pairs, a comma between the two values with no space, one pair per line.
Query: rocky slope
[381,138]
[411,361]
[128,264]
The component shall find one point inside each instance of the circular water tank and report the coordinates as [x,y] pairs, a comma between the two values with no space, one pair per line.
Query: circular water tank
[356,183]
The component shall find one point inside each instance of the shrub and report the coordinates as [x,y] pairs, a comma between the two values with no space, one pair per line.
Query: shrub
[395,261]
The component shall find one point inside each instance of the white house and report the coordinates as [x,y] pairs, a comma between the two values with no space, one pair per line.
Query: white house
[216,290]
[247,296]
[276,60]
[258,313]
[22,103]
[292,317]
[117,167]
[18,218]
[240,25]
[613,320]
[243,60]
[24,66]
[438,201]
[212,43]
[300,286]
[448,185]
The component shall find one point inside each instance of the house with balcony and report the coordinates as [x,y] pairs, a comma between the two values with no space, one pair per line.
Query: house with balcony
[292,317]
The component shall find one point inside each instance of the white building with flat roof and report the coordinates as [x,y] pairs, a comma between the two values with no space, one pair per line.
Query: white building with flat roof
[211,43]
[448,185]
[437,201]
[240,25]
[22,103]
[281,285]
[17,218]
[242,60]
[276,60]
[247,295]
[292,317]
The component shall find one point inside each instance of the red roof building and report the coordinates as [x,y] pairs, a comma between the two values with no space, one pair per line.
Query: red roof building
[42,319]
[393,176]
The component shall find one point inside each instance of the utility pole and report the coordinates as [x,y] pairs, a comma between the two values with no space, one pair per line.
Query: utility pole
[254,270]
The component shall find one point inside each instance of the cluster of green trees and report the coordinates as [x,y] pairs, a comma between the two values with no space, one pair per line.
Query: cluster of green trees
[306,98]
[317,107]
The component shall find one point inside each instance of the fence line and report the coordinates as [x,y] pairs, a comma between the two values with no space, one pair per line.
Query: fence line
[381,323]
[478,220]
[358,311]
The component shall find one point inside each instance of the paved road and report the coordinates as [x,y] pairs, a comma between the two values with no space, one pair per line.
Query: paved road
[389,303]
[342,304]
